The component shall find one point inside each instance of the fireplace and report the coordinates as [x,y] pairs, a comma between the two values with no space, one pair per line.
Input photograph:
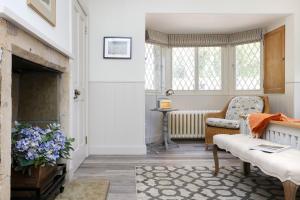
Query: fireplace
[35,93]
[34,88]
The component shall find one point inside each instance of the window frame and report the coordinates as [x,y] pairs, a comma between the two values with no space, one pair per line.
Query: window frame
[171,75]
[196,91]
[227,69]
[162,72]
[233,90]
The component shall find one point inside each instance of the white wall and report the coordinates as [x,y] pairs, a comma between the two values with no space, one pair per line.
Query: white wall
[109,77]
[116,87]
[58,36]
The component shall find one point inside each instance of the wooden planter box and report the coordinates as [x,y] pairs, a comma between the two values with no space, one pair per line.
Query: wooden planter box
[39,176]
[43,184]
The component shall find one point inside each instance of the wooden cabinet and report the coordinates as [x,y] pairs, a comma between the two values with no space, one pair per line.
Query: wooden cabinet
[274,61]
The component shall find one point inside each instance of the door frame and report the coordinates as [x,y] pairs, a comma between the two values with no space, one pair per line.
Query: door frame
[82,5]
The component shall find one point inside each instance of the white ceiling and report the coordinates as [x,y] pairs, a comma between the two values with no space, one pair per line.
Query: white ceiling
[208,23]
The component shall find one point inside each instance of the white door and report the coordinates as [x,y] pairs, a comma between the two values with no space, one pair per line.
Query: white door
[79,78]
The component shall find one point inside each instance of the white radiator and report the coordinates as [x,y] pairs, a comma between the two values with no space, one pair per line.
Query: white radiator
[187,124]
[283,135]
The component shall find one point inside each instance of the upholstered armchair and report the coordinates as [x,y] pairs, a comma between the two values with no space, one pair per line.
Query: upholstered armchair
[227,121]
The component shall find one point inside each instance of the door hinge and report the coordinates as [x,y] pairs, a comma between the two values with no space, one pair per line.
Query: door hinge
[86,139]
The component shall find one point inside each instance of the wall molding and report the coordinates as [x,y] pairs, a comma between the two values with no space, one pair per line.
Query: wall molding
[117,150]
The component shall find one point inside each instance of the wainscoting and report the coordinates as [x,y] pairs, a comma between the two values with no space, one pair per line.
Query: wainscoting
[297,99]
[117,118]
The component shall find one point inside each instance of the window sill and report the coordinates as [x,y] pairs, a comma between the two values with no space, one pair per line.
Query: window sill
[246,92]
[208,93]
[153,92]
[200,93]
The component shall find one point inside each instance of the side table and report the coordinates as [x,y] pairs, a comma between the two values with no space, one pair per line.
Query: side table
[167,140]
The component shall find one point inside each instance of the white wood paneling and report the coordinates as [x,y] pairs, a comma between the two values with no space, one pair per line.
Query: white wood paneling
[283,102]
[296,104]
[117,118]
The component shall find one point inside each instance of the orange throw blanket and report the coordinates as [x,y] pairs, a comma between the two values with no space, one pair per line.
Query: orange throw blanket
[258,122]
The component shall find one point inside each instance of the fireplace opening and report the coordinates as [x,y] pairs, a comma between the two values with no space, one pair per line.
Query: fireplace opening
[35,93]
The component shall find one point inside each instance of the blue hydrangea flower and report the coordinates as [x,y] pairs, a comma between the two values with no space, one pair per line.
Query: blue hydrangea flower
[39,145]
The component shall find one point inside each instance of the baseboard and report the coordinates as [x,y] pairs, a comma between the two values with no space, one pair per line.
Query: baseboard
[118,150]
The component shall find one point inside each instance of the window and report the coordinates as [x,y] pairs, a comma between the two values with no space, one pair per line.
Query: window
[153,67]
[201,68]
[201,72]
[183,64]
[210,68]
[248,66]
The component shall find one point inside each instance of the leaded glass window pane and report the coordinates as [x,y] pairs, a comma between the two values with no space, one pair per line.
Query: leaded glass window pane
[248,66]
[153,67]
[210,68]
[183,68]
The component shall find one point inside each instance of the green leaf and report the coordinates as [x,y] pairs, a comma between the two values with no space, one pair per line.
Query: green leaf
[25,163]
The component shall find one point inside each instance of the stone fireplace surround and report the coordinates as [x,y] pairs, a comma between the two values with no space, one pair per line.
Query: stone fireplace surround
[15,41]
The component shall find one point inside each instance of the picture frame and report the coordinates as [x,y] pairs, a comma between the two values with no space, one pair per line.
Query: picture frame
[117,47]
[45,8]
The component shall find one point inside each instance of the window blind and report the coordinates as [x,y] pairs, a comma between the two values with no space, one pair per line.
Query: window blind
[203,40]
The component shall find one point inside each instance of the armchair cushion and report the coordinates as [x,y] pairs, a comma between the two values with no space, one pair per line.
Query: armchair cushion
[223,123]
[244,105]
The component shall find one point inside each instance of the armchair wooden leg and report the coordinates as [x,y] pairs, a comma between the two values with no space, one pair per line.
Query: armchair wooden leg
[290,190]
[216,159]
[246,168]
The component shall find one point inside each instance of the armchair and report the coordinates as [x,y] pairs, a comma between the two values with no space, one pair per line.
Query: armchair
[227,121]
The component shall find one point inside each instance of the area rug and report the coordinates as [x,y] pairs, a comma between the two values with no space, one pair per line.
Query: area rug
[85,190]
[198,183]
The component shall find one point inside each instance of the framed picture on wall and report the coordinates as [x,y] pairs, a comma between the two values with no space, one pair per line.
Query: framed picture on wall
[45,8]
[117,47]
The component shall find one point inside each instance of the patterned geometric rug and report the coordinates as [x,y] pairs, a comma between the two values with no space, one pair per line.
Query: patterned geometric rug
[198,183]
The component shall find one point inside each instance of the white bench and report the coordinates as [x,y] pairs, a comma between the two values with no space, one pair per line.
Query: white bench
[284,165]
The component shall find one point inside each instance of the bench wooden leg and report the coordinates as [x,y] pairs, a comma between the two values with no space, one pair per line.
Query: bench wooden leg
[290,190]
[216,159]
[246,168]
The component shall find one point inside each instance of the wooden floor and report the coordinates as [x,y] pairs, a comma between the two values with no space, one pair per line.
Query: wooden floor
[120,170]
